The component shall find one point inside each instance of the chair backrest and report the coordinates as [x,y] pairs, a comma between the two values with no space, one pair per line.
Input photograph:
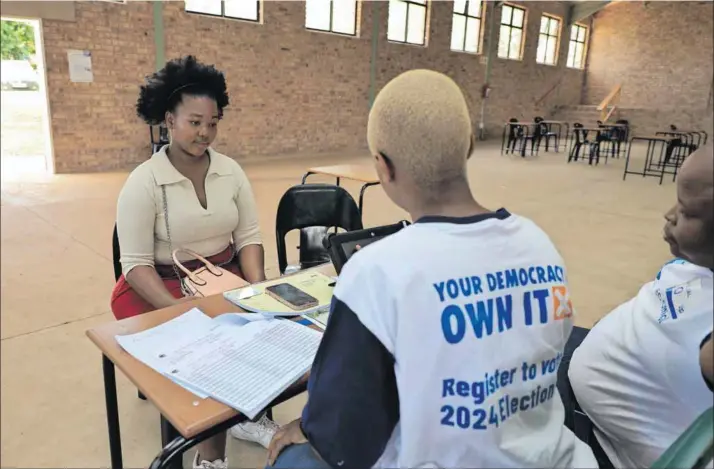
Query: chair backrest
[694,448]
[313,205]
[116,254]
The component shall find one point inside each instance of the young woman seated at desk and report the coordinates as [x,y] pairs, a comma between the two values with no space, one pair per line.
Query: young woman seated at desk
[186,195]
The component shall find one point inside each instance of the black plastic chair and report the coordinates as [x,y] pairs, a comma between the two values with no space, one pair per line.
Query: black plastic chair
[313,209]
[545,133]
[580,141]
[116,254]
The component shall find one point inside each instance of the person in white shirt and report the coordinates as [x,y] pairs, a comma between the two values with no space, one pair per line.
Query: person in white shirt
[443,341]
[637,374]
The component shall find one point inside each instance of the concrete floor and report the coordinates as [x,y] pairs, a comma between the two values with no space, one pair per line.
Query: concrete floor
[57,277]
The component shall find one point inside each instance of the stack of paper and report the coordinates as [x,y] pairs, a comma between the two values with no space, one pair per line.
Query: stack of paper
[255,299]
[242,360]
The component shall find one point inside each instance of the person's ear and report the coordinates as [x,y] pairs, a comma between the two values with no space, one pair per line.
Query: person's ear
[170,120]
[385,168]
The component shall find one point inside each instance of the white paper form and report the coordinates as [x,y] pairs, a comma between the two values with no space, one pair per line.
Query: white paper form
[247,367]
[153,346]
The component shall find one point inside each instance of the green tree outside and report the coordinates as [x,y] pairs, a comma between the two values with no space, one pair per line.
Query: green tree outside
[17,41]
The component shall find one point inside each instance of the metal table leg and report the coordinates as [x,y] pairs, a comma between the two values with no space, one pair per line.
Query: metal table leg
[361,194]
[304,178]
[110,396]
[169,434]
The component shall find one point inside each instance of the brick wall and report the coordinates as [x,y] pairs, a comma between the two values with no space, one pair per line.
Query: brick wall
[292,91]
[93,124]
[661,52]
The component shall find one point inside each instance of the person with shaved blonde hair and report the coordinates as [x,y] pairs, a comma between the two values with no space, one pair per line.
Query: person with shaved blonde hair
[444,339]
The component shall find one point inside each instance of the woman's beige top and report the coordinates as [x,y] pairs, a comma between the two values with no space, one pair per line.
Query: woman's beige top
[231,213]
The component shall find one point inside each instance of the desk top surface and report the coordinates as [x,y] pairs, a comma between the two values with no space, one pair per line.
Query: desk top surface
[189,414]
[361,173]
[654,137]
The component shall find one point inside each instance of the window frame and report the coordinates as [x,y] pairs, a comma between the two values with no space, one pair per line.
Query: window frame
[427,7]
[467,16]
[358,13]
[574,40]
[547,35]
[223,13]
[523,29]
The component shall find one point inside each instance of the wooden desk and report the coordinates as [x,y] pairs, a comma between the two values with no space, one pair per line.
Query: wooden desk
[186,419]
[364,174]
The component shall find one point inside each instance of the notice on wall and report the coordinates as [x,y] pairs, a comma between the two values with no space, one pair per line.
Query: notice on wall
[80,66]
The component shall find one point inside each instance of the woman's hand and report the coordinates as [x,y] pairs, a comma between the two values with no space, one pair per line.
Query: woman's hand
[290,434]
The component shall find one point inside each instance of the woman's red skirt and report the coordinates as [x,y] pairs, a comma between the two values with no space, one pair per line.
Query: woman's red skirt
[126,302]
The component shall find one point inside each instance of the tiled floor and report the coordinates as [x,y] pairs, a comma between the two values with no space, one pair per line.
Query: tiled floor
[57,276]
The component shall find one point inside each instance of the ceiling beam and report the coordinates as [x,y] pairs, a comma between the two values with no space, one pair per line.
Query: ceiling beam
[578,11]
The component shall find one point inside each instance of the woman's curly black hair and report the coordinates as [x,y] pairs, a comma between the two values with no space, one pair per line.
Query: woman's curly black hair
[186,76]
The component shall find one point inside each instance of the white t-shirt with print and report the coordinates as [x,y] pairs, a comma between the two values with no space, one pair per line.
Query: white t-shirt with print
[637,373]
[476,329]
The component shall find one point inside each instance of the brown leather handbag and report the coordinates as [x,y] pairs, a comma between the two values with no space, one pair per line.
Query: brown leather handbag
[208,279]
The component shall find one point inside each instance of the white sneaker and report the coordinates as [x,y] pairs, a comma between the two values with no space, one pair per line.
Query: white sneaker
[260,432]
[217,464]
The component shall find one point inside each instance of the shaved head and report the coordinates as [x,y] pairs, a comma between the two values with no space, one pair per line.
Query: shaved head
[690,226]
[420,122]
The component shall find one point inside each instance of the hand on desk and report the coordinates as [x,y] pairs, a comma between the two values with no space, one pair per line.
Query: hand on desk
[290,434]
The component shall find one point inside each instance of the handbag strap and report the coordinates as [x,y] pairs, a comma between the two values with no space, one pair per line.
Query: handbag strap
[209,265]
[184,290]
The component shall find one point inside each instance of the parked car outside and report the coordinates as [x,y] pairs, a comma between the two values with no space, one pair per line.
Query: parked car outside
[18,75]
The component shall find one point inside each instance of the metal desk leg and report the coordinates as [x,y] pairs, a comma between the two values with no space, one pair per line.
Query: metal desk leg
[627,160]
[110,396]
[663,149]
[361,194]
[304,178]
[169,434]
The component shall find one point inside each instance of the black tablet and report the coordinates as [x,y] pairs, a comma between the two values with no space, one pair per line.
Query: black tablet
[341,246]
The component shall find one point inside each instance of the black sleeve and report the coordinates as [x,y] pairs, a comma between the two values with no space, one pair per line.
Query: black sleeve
[709,384]
[353,404]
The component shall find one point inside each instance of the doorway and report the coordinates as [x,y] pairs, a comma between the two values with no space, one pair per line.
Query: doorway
[25,140]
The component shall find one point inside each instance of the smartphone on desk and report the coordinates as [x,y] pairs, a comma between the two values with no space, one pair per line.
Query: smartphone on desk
[291,296]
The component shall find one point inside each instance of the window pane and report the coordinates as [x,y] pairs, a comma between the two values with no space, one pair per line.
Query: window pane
[423,2]
[317,14]
[506,14]
[514,51]
[460,6]
[554,27]
[211,7]
[344,16]
[475,8]
[517,17]
[458,27]
[550,51]
[246,9]
[397,27]
[581,34]
[570,62]
[540,53]
[473,32]
[543,24]
[578,55]
[503,39]
[415,25]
